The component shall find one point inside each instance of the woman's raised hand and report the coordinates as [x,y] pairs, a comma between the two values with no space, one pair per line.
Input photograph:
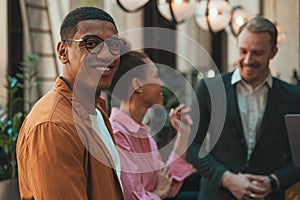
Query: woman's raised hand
[180,119]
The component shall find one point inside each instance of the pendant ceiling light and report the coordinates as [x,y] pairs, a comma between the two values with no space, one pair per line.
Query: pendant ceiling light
[238,17]
[132,5]
[281,33]
[213,15]
[176,11]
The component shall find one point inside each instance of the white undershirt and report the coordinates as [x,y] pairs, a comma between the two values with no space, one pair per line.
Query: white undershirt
[99,126]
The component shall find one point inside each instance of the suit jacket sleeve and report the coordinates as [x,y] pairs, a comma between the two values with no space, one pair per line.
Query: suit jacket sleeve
[204,162]
[288,174]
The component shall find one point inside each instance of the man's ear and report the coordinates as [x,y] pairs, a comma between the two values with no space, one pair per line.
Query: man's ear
[275,50]
[62,52]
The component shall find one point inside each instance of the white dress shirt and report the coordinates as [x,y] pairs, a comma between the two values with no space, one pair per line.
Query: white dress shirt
[252,105]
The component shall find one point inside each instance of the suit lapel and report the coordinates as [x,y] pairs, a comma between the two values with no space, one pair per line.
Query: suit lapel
[233,110]
[273,101]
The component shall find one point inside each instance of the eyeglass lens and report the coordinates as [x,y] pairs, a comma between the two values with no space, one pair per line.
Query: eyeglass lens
[95,44]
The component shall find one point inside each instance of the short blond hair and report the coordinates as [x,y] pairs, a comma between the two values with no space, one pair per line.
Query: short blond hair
[261,24]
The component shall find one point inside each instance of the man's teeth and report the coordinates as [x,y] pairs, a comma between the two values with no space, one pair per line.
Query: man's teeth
[103,68]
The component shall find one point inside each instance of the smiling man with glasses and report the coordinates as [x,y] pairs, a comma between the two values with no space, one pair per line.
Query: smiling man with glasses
[61,153]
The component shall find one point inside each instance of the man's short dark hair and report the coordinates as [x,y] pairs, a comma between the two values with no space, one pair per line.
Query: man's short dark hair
[69,25]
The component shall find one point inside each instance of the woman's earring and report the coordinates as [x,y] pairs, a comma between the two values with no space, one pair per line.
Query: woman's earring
[139,89]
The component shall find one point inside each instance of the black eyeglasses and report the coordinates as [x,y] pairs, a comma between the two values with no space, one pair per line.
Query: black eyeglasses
[94,44]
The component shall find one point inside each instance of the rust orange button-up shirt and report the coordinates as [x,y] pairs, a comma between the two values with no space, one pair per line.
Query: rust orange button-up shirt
[53,160]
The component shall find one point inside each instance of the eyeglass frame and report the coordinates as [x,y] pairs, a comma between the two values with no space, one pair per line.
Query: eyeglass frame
[108,41]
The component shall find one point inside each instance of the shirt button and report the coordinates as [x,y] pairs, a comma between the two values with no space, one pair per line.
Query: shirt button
[246,164]
[243,141]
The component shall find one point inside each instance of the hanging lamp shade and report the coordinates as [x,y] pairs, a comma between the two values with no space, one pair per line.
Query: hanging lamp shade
[132,5]
[176,11]
[213,15]
[281,33]
[239,16]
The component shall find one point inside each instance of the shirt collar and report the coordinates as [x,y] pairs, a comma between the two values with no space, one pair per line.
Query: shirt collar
[128,123]
[236,77]
[62,88]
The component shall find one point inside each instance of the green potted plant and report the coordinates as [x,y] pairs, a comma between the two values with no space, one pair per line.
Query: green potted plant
[11,118]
